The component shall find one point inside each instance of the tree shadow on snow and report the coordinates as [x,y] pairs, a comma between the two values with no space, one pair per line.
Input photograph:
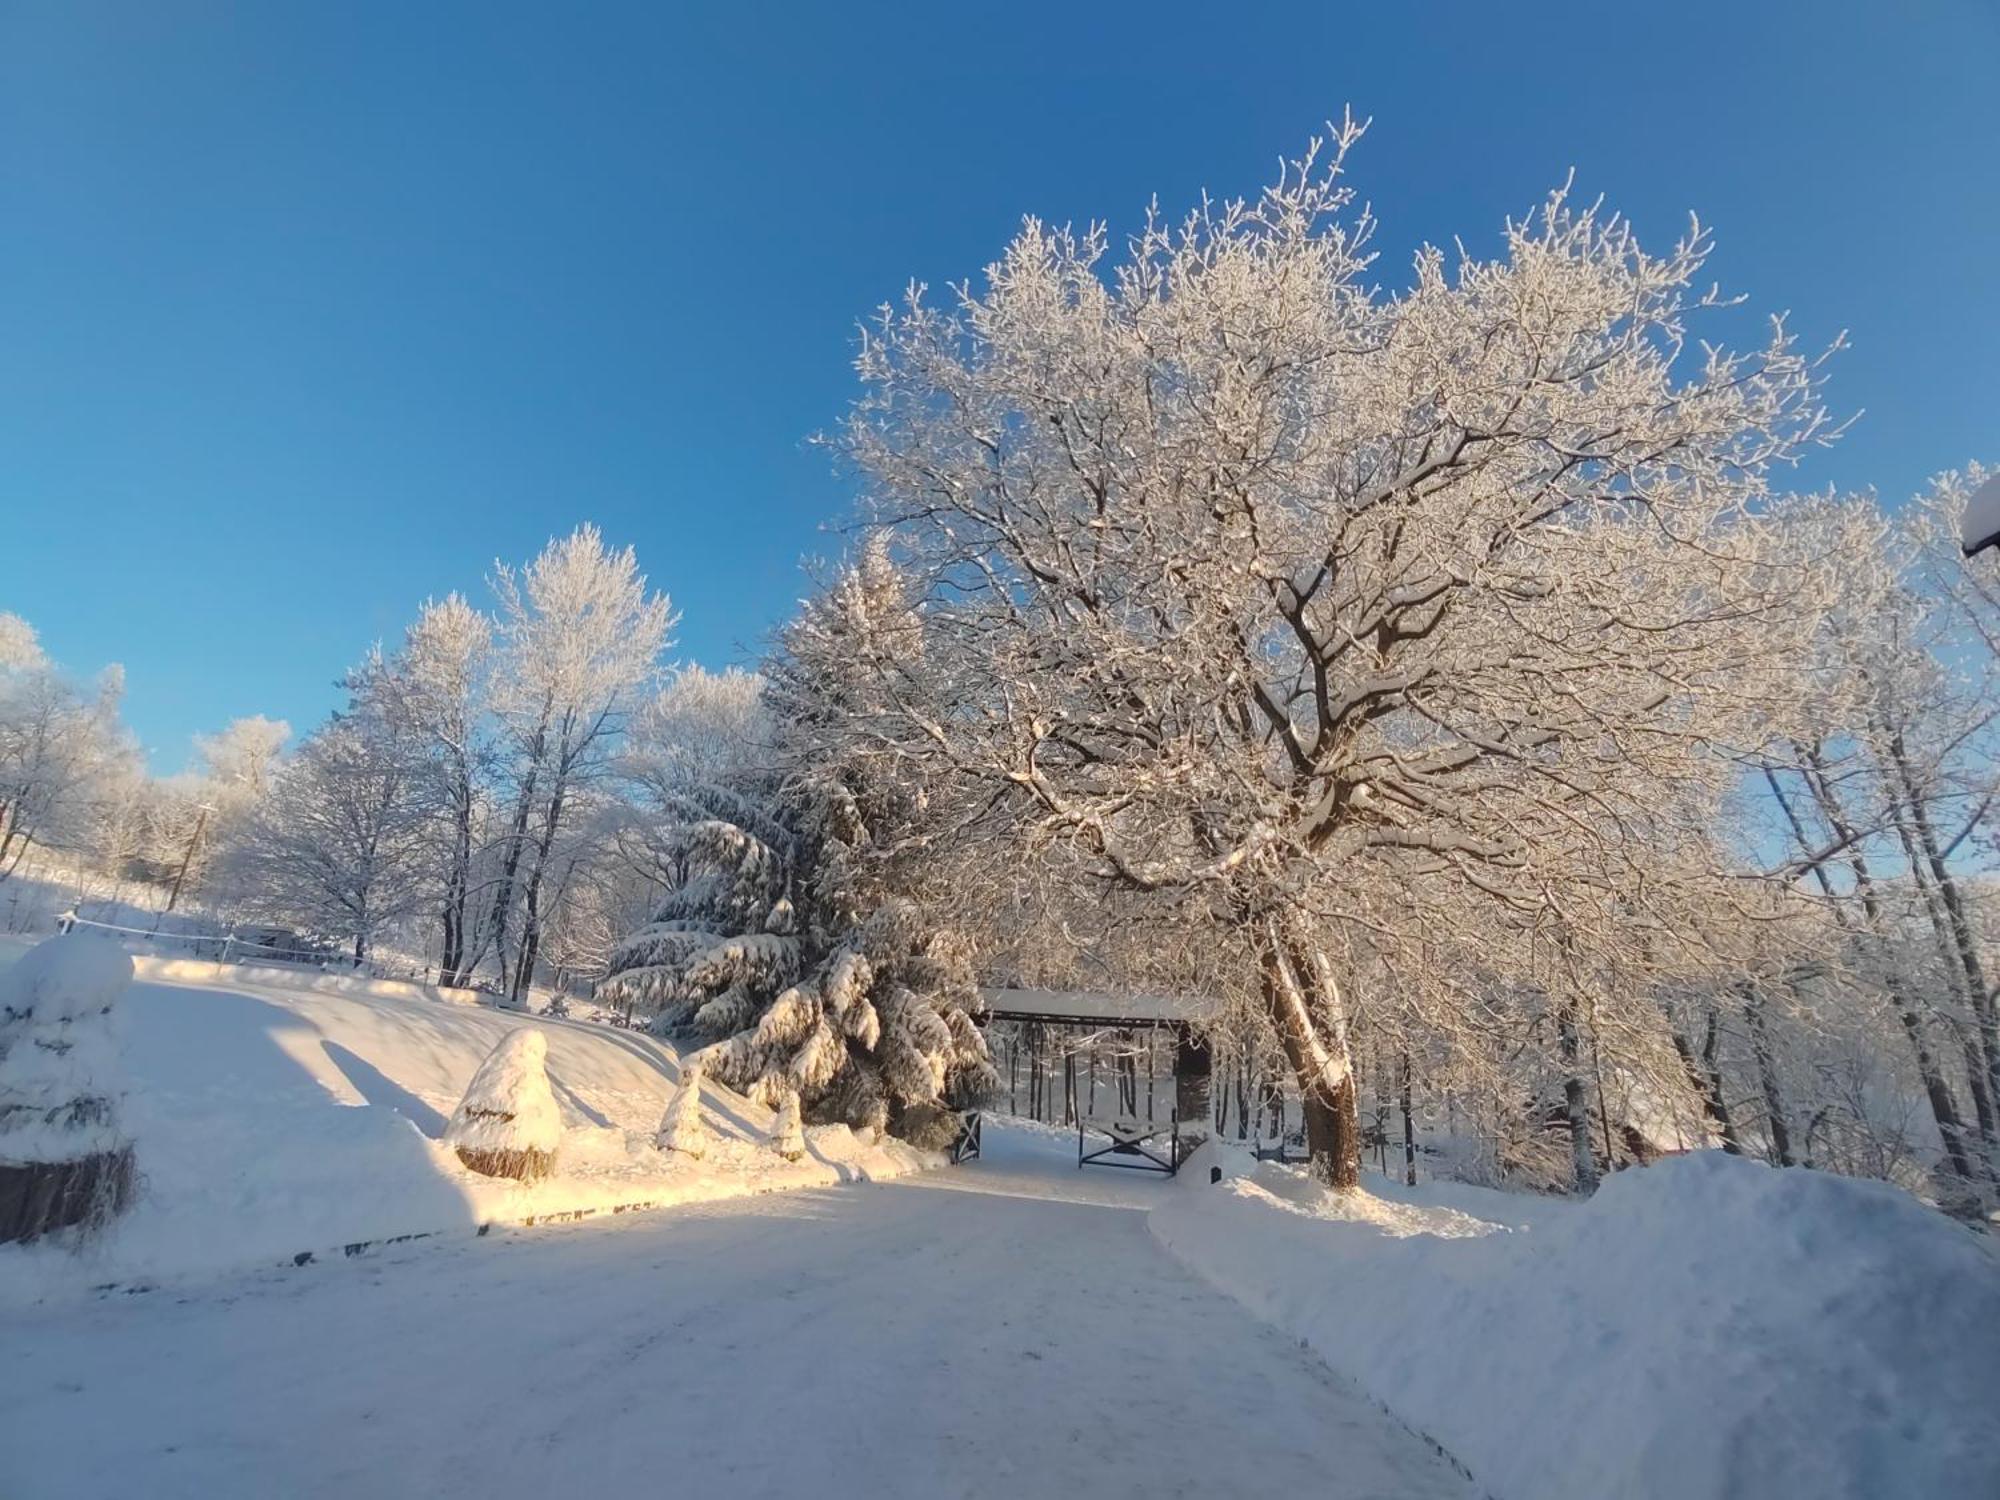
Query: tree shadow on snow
[249,1156]
[378,1088]
[569,1097]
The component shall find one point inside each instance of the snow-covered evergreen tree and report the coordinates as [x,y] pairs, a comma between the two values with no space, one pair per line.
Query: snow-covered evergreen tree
[683,1128]
[63,1158]
[507,1125]
[788,947]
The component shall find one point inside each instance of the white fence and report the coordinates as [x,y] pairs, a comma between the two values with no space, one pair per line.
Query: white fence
[230,947]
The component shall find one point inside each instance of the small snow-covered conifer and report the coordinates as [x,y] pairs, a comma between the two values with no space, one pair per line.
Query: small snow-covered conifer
[63,1158]
[507,1125]
[683,1129]
[787,1138]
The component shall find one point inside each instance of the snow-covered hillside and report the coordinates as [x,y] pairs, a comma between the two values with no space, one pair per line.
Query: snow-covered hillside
[281,1113]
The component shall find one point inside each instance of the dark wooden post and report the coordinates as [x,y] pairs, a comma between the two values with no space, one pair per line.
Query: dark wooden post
[1193,1061]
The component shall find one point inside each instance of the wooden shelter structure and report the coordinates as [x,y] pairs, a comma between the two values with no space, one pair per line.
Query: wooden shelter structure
[1146,1145]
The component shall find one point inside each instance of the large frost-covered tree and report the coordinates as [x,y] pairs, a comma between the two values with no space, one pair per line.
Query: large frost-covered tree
[580,639]
[1338,621]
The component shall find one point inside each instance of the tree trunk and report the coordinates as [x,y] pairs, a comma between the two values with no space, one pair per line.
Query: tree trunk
[1576,1102]
[1944,1110]
[458,882]
[1985,1014]
[1767,1078]
[517,838]
[1306,1009]
[1708,1084]
[1409,1129]
[1956,974]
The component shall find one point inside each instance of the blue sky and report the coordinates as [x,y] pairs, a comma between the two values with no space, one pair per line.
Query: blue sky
[307,312]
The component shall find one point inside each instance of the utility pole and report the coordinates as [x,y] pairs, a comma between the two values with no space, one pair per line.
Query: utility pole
[187,859]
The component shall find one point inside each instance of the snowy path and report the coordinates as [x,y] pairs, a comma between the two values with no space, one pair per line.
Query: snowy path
[972,1334]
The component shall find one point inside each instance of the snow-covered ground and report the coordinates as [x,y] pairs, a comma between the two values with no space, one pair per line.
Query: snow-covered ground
[900,1340]
[1706,1329]
[286,1113]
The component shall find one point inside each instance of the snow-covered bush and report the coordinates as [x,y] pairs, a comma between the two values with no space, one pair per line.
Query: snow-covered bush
[788,1139]
[63,1158]
[507,1125]
[683,1129]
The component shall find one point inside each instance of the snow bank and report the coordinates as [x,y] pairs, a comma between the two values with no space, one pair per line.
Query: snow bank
[279,1116]
[1706,1329]
[296,977]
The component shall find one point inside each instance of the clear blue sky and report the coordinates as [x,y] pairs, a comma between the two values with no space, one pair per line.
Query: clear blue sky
[307,312]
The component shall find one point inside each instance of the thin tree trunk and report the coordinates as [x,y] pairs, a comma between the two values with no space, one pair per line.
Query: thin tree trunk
[1944,1110]
[1975,1072]
[1708,1085]
[1767,1078]
[1961,946]
[517,838]
[1576,1101]
[1409,1129]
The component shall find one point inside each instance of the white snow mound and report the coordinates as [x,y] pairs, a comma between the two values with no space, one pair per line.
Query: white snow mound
[62,979]
[59,1050]
[1706,1329]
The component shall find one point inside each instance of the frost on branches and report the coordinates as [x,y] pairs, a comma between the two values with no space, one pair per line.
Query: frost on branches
[1345,628]
[63,1158]
[508,1125]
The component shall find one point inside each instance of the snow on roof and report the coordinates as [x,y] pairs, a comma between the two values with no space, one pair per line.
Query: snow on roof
[1091,1005]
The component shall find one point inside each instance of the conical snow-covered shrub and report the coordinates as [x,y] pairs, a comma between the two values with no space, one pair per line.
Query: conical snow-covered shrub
[683,1129]
[507,1125]
[63,1158]
[788,1138]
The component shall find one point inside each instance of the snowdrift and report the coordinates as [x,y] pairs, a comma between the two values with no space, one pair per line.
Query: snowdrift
[278,1117]
[1706,1329]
